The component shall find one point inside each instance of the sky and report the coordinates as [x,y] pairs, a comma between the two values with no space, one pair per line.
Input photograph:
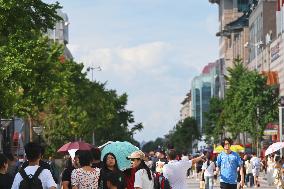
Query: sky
[149,49]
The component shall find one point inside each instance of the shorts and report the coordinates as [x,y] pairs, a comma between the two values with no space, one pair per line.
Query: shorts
[255,172]
[224,185]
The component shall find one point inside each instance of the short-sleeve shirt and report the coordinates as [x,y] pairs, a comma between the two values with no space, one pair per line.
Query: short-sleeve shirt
[228,163]
[208,169]
[66,176]
[6,181]
[255,163]
[248,166]
[45,177]
[85,179]
[142,180]
[175,171]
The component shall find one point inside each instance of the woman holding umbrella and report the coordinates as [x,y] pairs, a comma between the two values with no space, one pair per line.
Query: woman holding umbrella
[143,175]
[110,167]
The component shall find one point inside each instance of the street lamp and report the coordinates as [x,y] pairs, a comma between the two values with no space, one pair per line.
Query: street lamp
[90,68]
[38,130]
[255,46]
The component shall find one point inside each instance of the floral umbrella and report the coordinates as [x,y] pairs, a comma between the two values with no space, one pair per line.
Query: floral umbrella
[274,147]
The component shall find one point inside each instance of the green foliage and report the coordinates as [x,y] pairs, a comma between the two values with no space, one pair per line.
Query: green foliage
[250,104]
[183,134]
[154,145]
[26,16]
[36,85]
[214,126]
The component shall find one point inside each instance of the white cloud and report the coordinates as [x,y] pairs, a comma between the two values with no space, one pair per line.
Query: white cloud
[155,75]
[148,49]
[128,61]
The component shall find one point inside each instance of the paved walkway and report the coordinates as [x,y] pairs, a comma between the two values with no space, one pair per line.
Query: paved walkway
[194,184]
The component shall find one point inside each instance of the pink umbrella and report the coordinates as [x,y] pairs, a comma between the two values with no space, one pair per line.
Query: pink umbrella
[75,145]
[274,147]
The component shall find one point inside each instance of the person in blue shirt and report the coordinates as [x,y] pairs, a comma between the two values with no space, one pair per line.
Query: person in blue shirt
[228,163]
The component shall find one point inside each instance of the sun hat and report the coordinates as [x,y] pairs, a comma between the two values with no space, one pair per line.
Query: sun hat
[137,155]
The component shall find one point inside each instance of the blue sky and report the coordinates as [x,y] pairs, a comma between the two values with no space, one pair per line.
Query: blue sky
[149,49]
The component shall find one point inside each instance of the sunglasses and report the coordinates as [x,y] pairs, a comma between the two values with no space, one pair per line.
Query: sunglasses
[132,159]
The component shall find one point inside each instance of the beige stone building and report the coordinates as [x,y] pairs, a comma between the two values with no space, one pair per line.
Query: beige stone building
[231,31]
[262,22]
[185,110]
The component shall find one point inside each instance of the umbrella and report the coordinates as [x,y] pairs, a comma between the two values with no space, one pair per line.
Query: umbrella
[218,149]
[235,148]
[78,145]
[121,150]
[274,147]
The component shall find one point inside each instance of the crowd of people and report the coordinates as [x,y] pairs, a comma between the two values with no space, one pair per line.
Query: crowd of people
[163,170]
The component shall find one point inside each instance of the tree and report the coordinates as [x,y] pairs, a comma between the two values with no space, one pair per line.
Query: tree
[183,134]
[250,104]
[154,145]
[26,16]
[214,126]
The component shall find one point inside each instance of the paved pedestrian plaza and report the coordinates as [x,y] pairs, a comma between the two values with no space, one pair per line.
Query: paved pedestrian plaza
[194,184]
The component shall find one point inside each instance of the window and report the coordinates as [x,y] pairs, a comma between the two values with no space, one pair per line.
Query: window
[243,5]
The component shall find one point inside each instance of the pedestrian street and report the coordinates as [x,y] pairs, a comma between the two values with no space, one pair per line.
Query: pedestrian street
[194,184]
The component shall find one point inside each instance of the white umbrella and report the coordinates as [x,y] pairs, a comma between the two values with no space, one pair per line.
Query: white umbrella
[274,147]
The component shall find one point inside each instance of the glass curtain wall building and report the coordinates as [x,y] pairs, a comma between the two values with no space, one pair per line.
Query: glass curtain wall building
[203,88]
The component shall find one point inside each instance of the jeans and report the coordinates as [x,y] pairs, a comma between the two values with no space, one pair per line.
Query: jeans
[249,179]
[209,182]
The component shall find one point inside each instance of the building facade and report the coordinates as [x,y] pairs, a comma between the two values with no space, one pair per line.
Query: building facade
[185,110]
[230,11]
[210,83]
[60,33]
[262,22]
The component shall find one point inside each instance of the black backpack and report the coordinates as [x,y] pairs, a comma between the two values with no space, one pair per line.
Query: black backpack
[31,181]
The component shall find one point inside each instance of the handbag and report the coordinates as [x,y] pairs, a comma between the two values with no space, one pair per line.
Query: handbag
[201,184]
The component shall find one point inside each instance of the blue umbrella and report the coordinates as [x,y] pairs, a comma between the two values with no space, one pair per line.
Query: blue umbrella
[121,150]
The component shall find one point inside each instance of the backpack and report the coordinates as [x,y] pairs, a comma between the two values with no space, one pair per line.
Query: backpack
[31,181]
[160,182]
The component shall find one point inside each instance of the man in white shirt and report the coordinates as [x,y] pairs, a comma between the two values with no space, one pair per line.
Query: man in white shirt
[175,171]
[33,152]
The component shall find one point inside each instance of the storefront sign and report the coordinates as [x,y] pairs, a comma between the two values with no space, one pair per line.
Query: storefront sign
[275,52]
[271,129]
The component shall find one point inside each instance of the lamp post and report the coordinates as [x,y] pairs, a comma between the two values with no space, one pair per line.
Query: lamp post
[256,46]
[90,68]
[38,130]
